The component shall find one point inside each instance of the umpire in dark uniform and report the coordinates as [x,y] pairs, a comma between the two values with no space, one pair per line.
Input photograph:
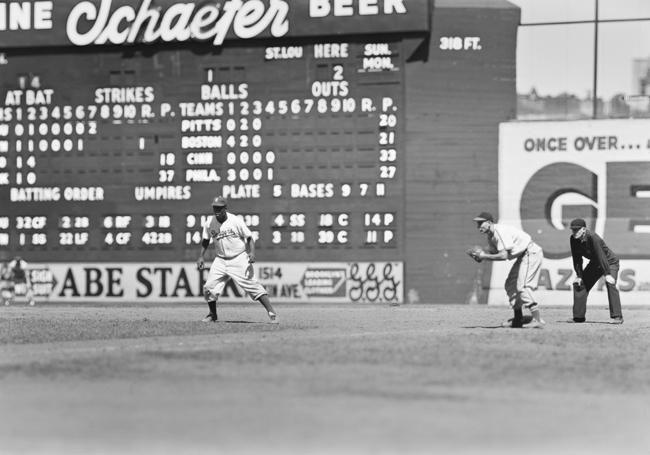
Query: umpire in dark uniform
[602,262]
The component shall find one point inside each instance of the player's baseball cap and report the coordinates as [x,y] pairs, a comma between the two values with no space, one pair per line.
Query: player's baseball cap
[219,201]
[578,223]
[484,216]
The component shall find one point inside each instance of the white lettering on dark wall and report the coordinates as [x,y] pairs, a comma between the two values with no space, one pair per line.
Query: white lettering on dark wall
[377,57]
[124,95]
[35,194]
[283,53]
[224,92]
[182,21]
[30,98]
[331,50]
[345,8]
[179,22]
[248,191]
[202,175]
[26,16]
[162,193]
[314,190]
[457,43]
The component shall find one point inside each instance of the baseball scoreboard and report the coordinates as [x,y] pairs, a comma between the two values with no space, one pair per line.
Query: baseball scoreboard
[122,156]
[342,132]
[117,152]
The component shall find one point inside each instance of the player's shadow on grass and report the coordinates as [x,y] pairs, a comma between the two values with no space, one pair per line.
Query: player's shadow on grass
[526,320]
[483,327]
[569,321]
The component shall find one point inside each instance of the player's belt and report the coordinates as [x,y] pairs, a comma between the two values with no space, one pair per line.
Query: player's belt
[530,245]
[232,257]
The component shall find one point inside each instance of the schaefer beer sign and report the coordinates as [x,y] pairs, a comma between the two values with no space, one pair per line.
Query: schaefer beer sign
[126,22]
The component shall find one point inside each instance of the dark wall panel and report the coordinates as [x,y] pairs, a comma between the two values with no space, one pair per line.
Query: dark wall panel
[455,102]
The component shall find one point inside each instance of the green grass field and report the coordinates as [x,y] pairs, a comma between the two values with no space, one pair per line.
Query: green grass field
[413,379]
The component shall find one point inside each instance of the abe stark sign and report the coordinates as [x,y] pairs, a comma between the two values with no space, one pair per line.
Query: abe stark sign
[297,282]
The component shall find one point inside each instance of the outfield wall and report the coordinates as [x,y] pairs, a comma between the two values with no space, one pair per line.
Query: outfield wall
[360,139]
[341,132]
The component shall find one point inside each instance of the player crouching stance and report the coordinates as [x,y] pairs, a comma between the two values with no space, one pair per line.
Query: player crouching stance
[602,262]
[235,248]
[15,273]
[511,243]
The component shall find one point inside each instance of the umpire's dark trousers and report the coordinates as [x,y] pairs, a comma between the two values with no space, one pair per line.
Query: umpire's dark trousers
[590,276]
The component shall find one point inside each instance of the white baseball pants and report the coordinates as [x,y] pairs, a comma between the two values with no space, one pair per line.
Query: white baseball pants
[524,276]
[239,270]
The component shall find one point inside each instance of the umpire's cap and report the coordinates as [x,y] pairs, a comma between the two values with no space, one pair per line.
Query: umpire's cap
[578,223]
[219,201]
[484,216]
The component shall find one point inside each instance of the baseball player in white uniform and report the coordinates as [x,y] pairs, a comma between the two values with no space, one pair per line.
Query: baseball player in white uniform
[235,248]
[507,243]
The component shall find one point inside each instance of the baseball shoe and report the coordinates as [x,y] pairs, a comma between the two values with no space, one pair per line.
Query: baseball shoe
[515,324]
[274,318]
[210,318]
[617,320]
[6,302]
[578,320]
[534,324]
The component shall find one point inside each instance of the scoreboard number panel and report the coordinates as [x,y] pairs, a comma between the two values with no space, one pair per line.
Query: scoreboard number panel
[115,154]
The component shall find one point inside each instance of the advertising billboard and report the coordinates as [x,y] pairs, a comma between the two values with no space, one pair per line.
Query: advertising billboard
[599,170]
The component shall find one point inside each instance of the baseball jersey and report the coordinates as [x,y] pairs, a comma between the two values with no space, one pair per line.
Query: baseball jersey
[229,238]
[508,238]
[593,248]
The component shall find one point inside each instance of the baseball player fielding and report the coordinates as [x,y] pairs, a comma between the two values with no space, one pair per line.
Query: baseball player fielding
[235,255]
[509,243]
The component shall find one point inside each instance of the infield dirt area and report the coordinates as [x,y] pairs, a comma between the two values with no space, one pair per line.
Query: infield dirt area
[412,379]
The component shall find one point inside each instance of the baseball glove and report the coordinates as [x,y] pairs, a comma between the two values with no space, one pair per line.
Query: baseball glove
[474,252]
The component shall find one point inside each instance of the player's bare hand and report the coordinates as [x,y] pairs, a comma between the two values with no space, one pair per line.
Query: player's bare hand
[251,258]
[610,279]
[200,264]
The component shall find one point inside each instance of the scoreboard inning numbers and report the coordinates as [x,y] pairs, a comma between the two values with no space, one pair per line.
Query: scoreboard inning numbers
[115,153]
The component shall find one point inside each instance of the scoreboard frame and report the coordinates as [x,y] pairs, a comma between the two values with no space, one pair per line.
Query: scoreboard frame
[368,180]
